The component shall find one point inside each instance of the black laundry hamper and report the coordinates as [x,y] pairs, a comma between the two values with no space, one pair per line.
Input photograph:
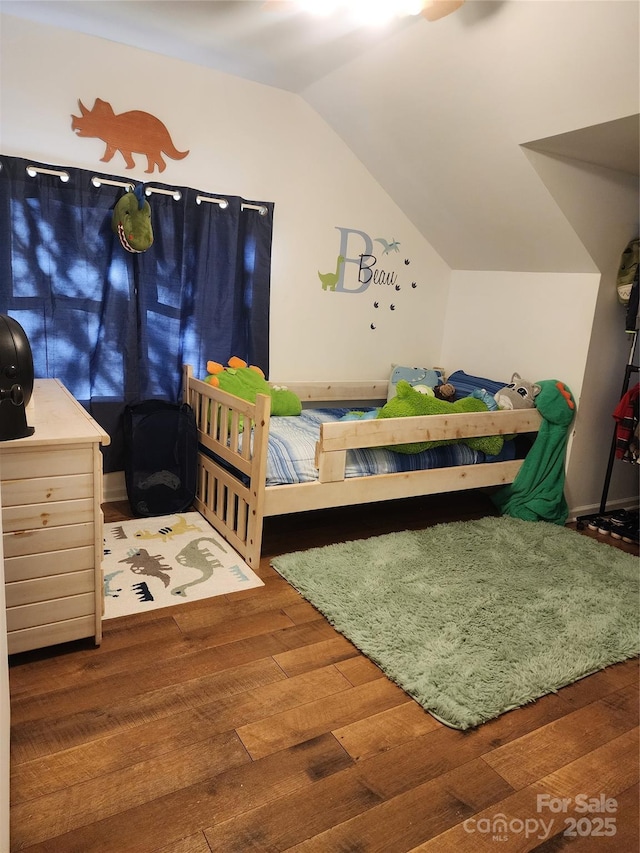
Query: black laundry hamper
[161,448]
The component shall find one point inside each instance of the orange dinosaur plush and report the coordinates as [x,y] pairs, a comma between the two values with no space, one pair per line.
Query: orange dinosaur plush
[214,368]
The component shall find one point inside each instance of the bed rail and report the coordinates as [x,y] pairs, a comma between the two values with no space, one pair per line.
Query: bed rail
[373,391]
[347,435]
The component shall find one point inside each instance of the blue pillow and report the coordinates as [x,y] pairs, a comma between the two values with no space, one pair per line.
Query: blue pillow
[414,376]
[465,384]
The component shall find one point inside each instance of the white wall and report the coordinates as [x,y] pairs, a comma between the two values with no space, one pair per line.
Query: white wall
[602,206]
[562,326]
[258,142]
[535,324]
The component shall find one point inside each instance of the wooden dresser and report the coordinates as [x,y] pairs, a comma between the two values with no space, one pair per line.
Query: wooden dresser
[51,489]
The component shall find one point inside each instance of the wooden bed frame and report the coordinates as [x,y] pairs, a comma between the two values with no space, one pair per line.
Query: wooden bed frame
[236,505]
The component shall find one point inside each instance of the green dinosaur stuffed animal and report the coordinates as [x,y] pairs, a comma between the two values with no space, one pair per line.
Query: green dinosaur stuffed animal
[131,221]
[537,493]
[409,402]
[247,382]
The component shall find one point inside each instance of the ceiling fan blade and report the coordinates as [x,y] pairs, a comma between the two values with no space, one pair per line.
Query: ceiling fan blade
[436,9]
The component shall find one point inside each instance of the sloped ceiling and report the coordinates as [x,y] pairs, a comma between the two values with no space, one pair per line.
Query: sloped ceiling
[439,112]
[268,41]
[613,145]
[440,117]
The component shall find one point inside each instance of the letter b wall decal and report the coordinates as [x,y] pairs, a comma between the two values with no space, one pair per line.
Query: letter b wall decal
[353,250]
[361,262]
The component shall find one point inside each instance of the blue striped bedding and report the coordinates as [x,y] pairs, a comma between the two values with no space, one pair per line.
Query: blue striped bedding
[292,444]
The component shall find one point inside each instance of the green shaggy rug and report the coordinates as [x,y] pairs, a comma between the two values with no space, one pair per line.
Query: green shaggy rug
[476,618]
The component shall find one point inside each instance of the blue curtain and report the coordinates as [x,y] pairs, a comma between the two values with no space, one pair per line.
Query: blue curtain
[114,327]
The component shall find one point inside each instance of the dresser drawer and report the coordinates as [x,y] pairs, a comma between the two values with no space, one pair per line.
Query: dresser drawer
[51,633]
[55,610]
[23,542]
[46,489]
[45,589]
[34,516]
[20,464]
[46,564]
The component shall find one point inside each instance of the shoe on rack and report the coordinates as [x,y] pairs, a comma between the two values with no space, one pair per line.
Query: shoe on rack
[594,523]
[604,526]
[629,533]
[620,518]
[620,515]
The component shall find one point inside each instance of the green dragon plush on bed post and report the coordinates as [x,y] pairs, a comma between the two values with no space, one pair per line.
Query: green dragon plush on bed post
[246,381]
[131,221]
[537,493]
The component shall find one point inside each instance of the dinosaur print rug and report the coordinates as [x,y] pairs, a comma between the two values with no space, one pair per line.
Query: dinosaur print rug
[164,560]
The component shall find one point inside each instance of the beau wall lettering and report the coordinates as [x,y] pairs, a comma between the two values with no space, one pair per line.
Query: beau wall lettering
[366,273]
[351,239]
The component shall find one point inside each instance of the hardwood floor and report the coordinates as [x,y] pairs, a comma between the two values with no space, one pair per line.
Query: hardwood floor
[246,723]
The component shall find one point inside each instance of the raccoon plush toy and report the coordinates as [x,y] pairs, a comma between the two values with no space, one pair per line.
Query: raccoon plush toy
[518,394]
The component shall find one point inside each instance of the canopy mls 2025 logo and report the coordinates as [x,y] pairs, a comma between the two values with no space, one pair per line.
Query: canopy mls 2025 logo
[374,267]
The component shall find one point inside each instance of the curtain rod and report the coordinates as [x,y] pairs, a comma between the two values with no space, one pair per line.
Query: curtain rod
[97,181]
[262,210]
[32,171]
[175,194]
[223,203]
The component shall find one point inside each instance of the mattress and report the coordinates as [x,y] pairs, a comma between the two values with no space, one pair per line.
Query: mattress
[292,446]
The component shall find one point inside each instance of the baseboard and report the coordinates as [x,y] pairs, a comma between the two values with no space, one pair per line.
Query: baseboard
[594,509]
[114,487]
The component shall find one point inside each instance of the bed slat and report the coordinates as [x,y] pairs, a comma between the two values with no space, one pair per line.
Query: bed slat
[374,390]
[346,435]
[283,500]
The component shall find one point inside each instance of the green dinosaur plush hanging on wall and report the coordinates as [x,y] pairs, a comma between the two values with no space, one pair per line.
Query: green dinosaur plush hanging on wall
[132,221]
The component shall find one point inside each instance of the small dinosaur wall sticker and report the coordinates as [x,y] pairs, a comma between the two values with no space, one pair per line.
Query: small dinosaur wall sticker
[164,533]
[128,132]
[388,246]
[330,279]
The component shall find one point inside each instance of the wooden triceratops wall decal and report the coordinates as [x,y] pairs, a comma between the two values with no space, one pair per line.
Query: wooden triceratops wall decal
[133,131]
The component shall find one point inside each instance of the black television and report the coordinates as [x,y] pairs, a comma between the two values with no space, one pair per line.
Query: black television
[16,379]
